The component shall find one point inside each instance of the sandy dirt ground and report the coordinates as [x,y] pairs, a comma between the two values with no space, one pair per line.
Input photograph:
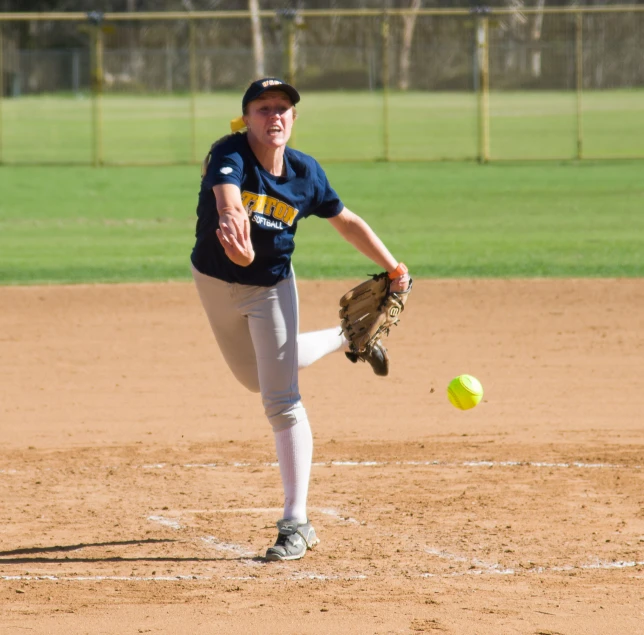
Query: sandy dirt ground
[139,488]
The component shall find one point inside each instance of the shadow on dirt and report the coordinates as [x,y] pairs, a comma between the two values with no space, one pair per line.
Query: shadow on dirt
[5,556]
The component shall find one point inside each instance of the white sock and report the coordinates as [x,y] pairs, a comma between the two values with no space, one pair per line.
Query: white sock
[295,453]
[316,344]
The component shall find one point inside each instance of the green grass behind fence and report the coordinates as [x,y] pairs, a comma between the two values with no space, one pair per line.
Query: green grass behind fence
[80,224]
[338,126]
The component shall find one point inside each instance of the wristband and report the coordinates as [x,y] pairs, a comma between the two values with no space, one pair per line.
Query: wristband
[400,270]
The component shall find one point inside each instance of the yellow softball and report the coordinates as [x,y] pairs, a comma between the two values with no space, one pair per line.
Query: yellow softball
[464,392]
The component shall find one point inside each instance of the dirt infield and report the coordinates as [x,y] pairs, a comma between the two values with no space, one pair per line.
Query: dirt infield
[139,486]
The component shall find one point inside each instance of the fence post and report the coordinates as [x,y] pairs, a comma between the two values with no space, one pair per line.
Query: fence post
[482,43]
[96,43]
[193,88]
[579,70]
[290,50]
[288,22]
[385,85]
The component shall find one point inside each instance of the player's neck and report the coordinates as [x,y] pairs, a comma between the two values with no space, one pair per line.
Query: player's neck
[271,159]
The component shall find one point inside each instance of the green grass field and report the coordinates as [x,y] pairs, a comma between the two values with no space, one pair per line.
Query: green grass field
[81,224]
[339,126]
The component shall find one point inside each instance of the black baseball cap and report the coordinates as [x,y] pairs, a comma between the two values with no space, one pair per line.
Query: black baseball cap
[260,86]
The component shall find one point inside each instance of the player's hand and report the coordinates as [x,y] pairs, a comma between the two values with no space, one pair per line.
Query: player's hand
[234,236]
[399,284]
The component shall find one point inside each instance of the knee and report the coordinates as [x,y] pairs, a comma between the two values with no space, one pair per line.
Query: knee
[285,416]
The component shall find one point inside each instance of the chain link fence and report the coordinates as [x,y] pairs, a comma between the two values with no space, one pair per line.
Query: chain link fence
[423,85]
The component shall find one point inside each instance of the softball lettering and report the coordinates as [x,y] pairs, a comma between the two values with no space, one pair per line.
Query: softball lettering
[268,206]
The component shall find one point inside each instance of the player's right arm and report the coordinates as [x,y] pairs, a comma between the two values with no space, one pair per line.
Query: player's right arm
[234,225]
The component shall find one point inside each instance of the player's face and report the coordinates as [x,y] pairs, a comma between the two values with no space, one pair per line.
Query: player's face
[270,118]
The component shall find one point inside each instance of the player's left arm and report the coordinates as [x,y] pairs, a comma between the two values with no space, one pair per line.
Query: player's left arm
[357,232]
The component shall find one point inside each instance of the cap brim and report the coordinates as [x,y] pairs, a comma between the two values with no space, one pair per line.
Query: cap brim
[290,91]
[293,95]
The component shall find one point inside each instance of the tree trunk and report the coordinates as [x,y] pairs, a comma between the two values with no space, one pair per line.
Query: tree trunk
[409,23]
[258,41]
[535,37]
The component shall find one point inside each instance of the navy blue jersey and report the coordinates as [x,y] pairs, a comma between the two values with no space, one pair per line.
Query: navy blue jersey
[274,205]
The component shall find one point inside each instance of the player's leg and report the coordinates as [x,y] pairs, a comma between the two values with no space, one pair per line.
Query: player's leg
[229,326]
[256,329]
[314,345]
[273,322]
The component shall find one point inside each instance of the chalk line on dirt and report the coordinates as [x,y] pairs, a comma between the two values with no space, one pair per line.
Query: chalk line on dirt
[309,575]
[337,463]
[438,463]
[480,567]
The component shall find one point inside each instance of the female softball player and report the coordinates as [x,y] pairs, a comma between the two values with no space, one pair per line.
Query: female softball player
[254,191]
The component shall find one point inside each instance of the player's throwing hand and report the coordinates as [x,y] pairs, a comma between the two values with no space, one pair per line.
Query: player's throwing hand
[234,236]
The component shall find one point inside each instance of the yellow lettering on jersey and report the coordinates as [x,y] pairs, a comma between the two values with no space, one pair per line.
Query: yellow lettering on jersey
[268,206]
[248,201]
[290,215]
[280,210]
[260,204]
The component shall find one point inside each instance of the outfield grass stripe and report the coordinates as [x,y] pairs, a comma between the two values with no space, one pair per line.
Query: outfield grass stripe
[80,224]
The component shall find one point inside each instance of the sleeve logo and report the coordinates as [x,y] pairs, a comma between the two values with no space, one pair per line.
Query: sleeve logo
[226,170]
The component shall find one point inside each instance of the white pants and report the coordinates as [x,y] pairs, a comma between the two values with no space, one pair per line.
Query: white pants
[256,329]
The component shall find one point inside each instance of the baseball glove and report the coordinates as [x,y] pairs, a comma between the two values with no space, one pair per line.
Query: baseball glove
[367,312]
